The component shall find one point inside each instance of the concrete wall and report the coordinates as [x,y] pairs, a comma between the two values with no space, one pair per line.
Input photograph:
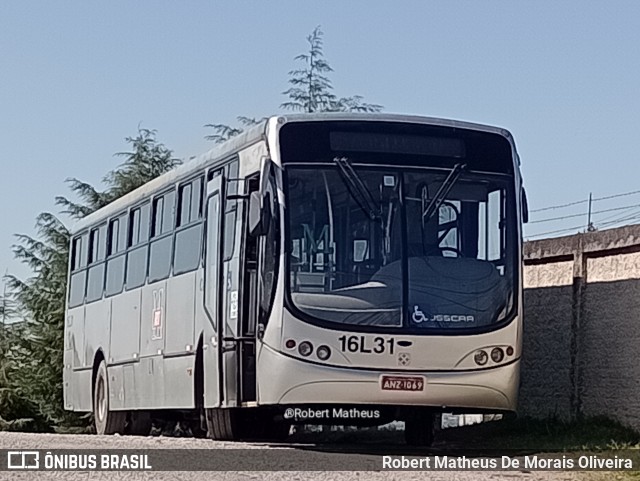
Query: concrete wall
[582,326]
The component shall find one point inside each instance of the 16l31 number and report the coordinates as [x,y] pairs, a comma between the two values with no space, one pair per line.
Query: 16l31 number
[367,345]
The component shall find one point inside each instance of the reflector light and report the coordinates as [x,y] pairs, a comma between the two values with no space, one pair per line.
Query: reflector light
[290,344]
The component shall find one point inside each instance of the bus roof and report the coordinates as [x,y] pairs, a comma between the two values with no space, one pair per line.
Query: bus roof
[249,137]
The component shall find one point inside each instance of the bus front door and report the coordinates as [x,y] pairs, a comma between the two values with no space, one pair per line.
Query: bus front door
[212,294]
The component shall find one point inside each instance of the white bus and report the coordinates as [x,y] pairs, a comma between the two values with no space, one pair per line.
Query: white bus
[318,269]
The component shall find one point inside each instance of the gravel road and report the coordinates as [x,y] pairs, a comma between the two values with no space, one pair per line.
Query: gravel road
[331,455]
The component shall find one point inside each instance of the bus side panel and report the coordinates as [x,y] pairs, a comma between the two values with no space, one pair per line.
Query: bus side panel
[83,396]
[96,330]
[153,320]
[149,383]
[180,314]
[116,387]
[180,372]
[75,333]
[125,326]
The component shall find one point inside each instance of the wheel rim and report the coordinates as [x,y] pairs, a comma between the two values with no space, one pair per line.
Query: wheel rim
[102,400]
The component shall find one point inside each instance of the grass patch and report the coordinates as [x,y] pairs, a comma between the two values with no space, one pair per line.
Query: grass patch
[597,433]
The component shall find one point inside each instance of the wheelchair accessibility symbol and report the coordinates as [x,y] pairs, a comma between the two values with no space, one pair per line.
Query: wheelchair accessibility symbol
[418,316]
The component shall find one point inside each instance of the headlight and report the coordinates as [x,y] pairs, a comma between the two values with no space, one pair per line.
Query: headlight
[305,348]
[481,358]
[323,353]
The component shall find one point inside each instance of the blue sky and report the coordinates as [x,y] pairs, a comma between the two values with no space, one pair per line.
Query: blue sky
[77,77]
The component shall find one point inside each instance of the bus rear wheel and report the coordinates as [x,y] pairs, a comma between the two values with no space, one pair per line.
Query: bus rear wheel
[419,429]
[105,420]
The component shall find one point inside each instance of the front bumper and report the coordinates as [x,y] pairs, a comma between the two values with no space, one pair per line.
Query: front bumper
[286,380]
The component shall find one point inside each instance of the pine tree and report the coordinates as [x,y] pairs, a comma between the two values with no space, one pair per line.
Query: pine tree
[37,360]
[311,91]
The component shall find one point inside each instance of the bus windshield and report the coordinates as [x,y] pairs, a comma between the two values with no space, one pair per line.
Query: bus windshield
[393,248]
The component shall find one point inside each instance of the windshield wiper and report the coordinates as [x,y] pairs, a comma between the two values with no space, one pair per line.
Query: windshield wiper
[358,189]
[443,191]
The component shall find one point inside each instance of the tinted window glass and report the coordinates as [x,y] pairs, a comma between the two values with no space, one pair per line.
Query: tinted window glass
[134,227]
[76,290]
[114,230]
[187,249]
[139,225]
[158,209]
[84,252]
[122,233]
[94,239]
[145,213]
[190,202]
[213,255]
[160,259]
[76,252]
[115,275]
[95,282]
[97,243]
[136,267]
[196,200]
[167,216]
[184,205]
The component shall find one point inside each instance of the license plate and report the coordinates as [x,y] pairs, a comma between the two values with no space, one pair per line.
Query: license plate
[402,383]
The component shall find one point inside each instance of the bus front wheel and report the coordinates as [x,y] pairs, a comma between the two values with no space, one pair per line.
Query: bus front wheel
[223,424]
[105,420]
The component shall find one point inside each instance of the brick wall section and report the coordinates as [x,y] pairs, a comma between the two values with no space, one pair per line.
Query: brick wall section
[545,388]
[582,326]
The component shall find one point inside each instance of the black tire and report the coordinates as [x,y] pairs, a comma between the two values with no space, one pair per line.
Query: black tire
[106,421]
[138,423]
[224,424]
[419,429]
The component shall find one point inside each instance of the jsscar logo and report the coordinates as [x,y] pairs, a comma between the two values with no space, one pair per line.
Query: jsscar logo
[23,460]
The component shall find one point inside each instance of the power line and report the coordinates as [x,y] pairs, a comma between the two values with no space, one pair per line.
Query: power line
[556,231]
[562,206]
[582,214]
[626,217]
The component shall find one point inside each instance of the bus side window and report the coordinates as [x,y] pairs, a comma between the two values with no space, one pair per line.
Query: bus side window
[188,238]
[137,256]
[79,257]
[97,248]
[76,250]
[161,243]
[190,202]
[117,235]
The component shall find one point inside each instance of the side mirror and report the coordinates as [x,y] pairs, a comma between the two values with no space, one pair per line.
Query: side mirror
[260,203]
[259,214]
[525,207]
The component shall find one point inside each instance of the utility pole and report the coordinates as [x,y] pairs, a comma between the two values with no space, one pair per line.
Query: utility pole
[590,226]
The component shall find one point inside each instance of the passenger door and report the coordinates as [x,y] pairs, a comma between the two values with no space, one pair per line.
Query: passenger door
[212,293]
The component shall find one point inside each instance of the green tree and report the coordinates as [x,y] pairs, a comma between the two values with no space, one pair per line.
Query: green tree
[311,90]
[36,373]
